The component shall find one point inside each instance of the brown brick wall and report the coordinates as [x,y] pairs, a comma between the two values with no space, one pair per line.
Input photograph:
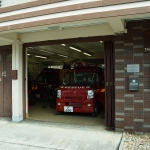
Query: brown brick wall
[132,107]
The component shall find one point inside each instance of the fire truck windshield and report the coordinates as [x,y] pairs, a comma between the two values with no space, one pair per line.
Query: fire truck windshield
[49,78]
[79,78]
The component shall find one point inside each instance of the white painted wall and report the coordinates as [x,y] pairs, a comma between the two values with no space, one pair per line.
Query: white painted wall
[17,88]
[64,33]
[96,30]
[5,3]
[2,43]
[8,39]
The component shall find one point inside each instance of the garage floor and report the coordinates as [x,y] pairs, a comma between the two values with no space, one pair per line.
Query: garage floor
[36,112]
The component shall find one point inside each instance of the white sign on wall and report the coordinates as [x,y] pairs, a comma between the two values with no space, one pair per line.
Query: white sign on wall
[133,68]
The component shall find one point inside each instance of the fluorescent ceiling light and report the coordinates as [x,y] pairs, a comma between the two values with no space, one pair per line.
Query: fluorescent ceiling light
[46,51]
[87,54]
[75,49]
[63,55]
[41,57]
[28,54]
[63,44]
[57,61]
[101,41]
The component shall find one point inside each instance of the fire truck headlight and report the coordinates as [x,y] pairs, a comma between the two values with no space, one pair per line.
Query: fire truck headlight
[90,94]
[59,93]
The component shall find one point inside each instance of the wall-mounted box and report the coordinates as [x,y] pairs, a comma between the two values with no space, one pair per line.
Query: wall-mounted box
[14,74]
[133,83]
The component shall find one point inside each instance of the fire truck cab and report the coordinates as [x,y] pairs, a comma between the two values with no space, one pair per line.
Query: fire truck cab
[82,90]
[47,76]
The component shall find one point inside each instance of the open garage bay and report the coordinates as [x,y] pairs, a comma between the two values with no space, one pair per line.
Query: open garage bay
[36,112]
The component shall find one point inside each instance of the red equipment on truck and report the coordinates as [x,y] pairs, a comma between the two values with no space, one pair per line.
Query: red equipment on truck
[82,90]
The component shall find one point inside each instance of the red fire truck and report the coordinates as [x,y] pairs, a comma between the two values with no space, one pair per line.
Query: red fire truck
[82,90]
[47,77]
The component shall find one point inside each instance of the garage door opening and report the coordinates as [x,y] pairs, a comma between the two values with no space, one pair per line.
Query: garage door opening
[58,59]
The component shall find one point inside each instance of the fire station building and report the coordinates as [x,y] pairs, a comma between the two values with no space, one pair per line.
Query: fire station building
[122,28]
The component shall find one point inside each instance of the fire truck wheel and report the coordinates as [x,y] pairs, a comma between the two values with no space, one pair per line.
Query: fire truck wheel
[95,113]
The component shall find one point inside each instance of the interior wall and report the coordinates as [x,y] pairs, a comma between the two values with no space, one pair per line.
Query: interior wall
[132,107]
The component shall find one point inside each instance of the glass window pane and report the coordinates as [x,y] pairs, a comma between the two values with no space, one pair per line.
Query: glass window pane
[9,57]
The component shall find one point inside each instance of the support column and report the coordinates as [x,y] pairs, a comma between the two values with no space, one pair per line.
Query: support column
[17,89]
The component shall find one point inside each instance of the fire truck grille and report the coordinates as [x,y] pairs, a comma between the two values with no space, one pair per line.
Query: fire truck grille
[73,98]
[74,104]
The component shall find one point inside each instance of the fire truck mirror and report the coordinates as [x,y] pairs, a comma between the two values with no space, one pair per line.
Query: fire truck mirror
[133,83]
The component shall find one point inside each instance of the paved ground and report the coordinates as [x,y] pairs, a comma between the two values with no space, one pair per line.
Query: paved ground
[36,135]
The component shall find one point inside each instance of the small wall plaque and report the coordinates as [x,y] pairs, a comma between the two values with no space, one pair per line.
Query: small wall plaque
[14,74]
[133,68]
[133,83]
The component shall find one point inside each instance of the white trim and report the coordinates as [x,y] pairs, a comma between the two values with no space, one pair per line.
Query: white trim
[13,2]
[70,13]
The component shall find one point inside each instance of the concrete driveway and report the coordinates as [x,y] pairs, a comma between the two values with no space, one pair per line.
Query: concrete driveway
[36,135]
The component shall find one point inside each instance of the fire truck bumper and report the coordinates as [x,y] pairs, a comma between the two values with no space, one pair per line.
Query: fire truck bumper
[78,107]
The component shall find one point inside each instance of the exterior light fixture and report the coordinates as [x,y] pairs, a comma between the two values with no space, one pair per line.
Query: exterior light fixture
[75,49]
[41,57]
[28,54]
[63,44]
[101,41]
[87,54]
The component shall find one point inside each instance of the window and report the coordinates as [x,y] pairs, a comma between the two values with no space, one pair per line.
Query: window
[9,57]
[79,78]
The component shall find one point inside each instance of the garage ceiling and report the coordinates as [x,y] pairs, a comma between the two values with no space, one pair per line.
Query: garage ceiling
[58,54]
